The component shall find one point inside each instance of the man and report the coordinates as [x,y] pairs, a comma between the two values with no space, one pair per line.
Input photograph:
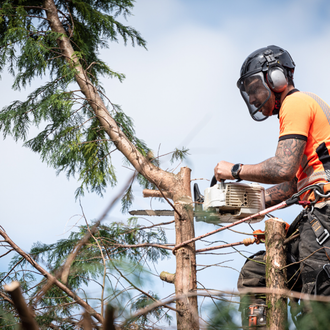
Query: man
[301,159]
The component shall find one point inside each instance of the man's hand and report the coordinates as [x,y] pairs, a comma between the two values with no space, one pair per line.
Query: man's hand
[223,171]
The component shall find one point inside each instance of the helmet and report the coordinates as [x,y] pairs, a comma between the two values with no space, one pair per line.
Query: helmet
[266,69]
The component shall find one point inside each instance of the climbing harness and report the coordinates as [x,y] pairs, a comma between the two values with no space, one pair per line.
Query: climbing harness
[319,193]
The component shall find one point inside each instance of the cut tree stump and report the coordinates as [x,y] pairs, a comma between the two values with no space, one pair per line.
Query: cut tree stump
[275,273]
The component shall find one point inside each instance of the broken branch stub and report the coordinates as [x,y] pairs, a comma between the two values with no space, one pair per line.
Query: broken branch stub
[109,318]
[87,321]
[156,193]
[167,277]
[27,320]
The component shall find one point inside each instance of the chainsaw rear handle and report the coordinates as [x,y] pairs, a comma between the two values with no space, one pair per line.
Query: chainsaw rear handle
[214,182]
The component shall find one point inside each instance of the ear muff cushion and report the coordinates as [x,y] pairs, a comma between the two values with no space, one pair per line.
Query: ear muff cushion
[276,79]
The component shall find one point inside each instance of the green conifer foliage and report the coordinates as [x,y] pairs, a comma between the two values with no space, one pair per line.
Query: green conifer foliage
[70,138]
[78,130]
[108,262]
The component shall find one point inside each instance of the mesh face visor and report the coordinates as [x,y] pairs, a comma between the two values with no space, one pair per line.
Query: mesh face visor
[255,93]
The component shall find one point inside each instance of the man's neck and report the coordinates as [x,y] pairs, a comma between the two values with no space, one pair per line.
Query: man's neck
[286,91]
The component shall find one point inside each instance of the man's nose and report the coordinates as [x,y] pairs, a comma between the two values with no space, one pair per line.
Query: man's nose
[252,98]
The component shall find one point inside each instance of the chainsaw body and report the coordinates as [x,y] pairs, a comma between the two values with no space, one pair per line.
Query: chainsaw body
[229,202]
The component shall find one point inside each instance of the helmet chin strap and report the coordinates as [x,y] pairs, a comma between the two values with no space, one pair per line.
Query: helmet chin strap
[277,106]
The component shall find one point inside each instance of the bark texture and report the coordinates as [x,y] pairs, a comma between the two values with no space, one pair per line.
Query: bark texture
[275,274]
[185,276]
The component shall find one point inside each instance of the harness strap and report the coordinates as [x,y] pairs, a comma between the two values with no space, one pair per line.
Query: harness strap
[326,269]
[320,232]
[313,276]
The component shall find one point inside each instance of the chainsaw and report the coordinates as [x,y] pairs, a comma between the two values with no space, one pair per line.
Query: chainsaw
[226,202]
[223,202]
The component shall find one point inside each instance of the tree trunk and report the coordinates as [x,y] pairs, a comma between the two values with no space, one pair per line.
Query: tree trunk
[185,275]
[176,187]
[275,274]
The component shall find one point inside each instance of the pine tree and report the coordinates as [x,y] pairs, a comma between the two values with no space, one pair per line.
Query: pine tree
[60,40]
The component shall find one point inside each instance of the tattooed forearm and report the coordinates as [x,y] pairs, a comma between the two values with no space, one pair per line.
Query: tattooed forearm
[286,161]
[280,192]
[280,168]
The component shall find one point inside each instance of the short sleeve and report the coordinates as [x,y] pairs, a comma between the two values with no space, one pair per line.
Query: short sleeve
[295,118]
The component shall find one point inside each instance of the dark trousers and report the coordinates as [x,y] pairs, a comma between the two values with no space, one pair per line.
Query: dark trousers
[308,275]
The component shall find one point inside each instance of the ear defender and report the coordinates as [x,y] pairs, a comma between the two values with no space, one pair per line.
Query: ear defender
[276,79]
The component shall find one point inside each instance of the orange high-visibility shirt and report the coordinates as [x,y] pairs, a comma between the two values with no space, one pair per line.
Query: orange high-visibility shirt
[306,116]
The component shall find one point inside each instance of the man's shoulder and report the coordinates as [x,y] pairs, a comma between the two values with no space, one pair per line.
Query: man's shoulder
[304,101]
[297,102]
[299,96]
[296,114]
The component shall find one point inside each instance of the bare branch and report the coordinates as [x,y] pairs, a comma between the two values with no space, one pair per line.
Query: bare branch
[72,22]
[6,298]
[104,263]
[152,226]
[246,241]
[17,263]
[34,7]
[84,240]
[99,140]
[167,200]
[50,277]
[156,193]
[6,253]
[143,292]
[129,246]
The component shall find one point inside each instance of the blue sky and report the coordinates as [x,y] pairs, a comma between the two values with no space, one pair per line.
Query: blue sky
[181,90]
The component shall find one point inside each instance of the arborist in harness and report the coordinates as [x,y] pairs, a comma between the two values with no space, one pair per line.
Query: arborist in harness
[300,167]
